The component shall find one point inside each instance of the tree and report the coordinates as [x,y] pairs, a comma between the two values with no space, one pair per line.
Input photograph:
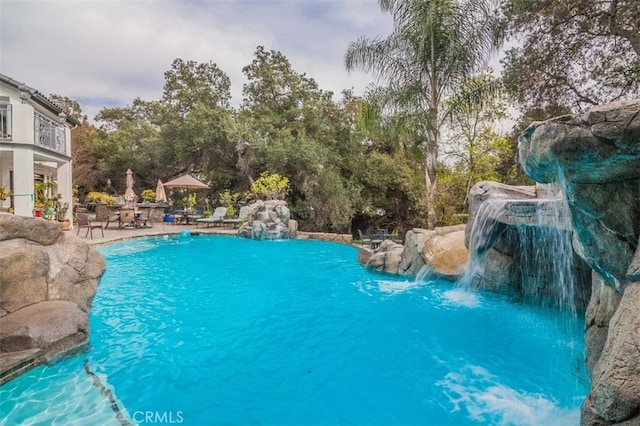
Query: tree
[434,46]
[474,145]
[127,140]
[291,127]
[575,53]
[196,122]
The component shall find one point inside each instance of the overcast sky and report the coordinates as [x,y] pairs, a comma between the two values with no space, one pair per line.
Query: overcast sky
[105,53]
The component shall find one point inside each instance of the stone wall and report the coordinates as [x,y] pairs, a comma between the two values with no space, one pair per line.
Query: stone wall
[48,279]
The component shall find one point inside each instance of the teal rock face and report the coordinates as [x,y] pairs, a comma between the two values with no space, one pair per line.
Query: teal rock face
[596,157]
[602,145]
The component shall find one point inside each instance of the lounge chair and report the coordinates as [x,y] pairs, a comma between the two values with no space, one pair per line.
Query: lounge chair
[83,221]
[218,217]
[245,211]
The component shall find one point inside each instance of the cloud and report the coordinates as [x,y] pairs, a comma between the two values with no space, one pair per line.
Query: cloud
[106,53]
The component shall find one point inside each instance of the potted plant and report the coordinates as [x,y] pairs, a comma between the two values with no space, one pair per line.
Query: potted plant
[61,214]
[4,194]
[148,195]
[45,199]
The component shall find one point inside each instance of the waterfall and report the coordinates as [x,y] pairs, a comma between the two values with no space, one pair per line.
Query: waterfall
[544,257]
[524,247]
[485,232]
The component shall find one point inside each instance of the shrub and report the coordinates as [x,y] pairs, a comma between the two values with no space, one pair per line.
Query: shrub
[270,186]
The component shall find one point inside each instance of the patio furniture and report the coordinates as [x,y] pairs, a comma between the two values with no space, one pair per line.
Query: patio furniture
[364,239]
[245,211]
[377,237]
[218,217]
[143,220]
[194,216]
[127,218]
[108,214]
[83,221]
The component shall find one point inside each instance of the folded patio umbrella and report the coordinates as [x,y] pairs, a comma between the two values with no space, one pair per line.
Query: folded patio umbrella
[129,194]
[161,196]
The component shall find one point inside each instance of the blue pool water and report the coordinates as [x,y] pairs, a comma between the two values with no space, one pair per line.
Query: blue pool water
[220,330]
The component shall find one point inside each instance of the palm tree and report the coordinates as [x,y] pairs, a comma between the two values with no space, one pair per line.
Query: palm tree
[434,47]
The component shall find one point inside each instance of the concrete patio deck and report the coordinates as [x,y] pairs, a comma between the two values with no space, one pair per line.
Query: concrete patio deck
[113,233]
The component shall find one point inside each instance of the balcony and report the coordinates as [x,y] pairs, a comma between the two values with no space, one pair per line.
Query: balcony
[49,135]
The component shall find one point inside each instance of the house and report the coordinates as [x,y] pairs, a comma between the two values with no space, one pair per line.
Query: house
[35,145]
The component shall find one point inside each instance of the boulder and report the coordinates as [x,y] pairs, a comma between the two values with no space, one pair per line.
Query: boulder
[599,146]
[23,274]
[36,229]
[446,254]
[48,280]
[412,261]
[41,325]
[615,389]
[602,305]
[386,258]
[326,236]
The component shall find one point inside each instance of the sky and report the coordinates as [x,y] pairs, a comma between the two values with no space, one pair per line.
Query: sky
[106,53]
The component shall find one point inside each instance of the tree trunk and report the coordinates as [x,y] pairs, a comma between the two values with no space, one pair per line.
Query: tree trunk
[431,161]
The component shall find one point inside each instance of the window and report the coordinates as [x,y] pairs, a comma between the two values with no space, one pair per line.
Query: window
[5,120]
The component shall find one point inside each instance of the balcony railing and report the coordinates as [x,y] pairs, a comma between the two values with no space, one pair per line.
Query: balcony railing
[49,135]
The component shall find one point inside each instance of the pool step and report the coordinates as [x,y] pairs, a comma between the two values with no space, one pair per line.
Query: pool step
[13,364]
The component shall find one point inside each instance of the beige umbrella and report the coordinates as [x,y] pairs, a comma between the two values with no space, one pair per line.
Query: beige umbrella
[186,182]
[161,196]
[129,194]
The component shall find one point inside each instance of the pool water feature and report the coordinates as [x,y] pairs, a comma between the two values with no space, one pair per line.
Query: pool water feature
[219,330]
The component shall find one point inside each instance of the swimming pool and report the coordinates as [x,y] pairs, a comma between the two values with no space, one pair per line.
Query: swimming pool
[222,330]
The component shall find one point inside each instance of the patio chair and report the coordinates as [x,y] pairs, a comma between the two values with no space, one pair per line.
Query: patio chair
[245,211]
[218,217]
[143,220]
[83,221]
[104,213]
[364,239]
[377,237]
[127,218]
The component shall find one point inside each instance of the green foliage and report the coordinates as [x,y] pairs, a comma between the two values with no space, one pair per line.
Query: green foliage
[189,202]
[4,193]
[270,186]
[434,46]
[574,53]
[148,195]
[229,200]
[336,162]
[100,197]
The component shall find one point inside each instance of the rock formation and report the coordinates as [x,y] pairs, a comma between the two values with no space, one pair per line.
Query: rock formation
[48,279]
[516,235]
[440,251]
[596,156]
[269,220]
